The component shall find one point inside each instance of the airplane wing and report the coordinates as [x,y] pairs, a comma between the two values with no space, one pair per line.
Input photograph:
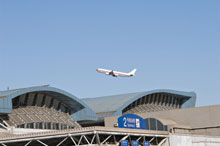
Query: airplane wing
[107,72]
[103,71]
[122,74]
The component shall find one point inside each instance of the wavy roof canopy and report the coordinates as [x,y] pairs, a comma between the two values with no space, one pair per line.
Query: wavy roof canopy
[89,108]
[117,103]
[80,110]
[109,103]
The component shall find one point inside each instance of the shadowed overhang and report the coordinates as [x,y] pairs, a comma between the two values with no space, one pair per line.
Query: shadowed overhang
[63,96]
[113,105]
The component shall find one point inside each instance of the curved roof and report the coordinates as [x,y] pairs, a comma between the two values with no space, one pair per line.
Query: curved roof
[117,103]
[76,104]
[86,109]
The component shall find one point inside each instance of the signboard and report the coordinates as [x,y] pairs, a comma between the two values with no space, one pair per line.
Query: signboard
[131,121]
[146,143]
[124,142]
[134,143]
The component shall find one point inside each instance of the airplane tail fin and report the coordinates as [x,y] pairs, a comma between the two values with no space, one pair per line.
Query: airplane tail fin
[133,72]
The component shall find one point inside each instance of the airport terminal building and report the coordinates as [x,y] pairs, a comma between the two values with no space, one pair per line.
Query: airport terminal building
[45,115]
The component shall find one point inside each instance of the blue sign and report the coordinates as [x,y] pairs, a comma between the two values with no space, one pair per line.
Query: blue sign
[124,142]
[134,143]
[146,143]
[131,121]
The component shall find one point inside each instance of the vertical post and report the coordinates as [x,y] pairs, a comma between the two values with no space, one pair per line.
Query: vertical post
[98,139]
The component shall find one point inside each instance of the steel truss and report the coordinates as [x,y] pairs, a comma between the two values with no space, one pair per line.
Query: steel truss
[89,138]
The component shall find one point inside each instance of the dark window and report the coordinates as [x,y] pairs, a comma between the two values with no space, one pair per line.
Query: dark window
[49,126]
[21,126]
[163,99]
[133,104]
[145,99]
[63,108]
[40,125]
[58,107]
[30,125]
[160,126]
[45,125]
[54,125]
[173,102]
[155,98]
[51,103]
[148,99]
[65,126]
[57,126]
[37,125]
[147,124]
[167,99]
[139,101]
[43,100]
[158,99]
[15,101]
[142,100]
[170,101]
[165,128]
[152,124]
[25,100]
[35,99]
[151,98]
[181,102]
[69,111]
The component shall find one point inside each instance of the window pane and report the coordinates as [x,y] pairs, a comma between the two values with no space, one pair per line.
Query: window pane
[152,124]
[147,124]
[159,126]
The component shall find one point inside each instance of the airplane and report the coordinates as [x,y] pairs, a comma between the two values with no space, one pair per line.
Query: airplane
[116,73]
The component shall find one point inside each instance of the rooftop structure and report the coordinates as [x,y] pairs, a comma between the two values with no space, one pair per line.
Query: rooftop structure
[42,107]
[50,116]
[148,101]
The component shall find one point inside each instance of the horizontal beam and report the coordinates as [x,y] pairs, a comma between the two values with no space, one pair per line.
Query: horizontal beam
[26,138]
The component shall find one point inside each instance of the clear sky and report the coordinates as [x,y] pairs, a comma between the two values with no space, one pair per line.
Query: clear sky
[173,44]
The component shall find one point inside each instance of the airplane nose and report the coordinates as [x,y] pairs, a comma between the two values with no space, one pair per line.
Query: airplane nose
[96,69]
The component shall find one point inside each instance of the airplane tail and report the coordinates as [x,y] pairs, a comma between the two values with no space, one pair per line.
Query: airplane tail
[133,72]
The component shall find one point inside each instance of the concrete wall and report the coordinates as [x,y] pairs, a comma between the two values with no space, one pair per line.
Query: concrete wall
[189,140]
[198,117]
[207,116]
[196,121]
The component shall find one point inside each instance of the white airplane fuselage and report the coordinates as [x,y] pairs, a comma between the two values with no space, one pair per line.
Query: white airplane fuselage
[116,73]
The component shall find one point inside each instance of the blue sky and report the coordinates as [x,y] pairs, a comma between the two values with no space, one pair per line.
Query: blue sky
[173,44]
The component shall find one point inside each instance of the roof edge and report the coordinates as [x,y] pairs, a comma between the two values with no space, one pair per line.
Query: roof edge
[182,93]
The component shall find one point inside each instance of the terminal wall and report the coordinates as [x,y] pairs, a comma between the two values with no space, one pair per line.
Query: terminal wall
[192,140]
[199,117]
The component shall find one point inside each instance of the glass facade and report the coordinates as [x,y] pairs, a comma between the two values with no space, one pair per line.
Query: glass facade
[154,124]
